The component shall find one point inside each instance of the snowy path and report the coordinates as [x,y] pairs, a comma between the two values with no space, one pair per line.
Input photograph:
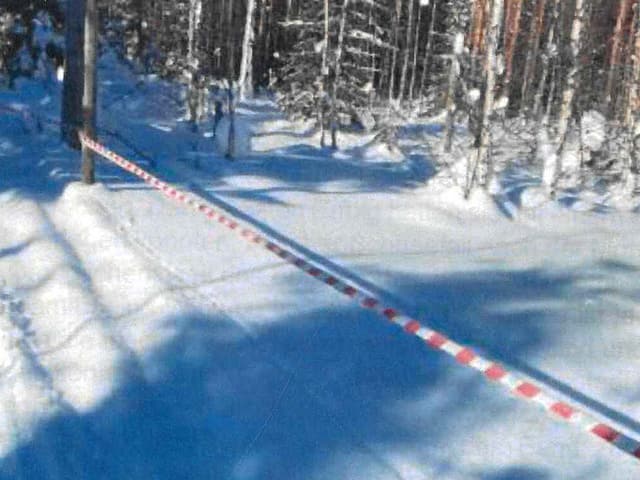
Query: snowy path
[229,294]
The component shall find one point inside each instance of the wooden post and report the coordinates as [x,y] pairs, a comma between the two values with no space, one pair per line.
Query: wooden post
[73,73]
[89,96]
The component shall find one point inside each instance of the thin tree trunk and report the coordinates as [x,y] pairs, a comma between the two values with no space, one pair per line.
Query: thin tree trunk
[482,169]
[394,54]
[141,44]
[450,103]
[477,26]
[426,61]
[533,47]
[231,74]
[633,101]
[407,51]
[287,15]
[222,31]
[89,94]
[547,60]
[371,51]
[631,109]
[193,63]
[416,47]
[337,72]
[268,41]
[569,92]
[551,95]
[261,43]
[245,80]
[72,88]
[511,33]
[617,42]
[322,103]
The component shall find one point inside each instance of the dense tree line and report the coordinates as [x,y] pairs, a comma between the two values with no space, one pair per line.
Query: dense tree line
[373,62]
[19,20]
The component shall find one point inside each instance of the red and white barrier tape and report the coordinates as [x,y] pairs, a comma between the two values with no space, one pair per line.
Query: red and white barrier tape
[493,371]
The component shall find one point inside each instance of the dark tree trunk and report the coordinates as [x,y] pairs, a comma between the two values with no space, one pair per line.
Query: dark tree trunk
[72,88]
[89,96]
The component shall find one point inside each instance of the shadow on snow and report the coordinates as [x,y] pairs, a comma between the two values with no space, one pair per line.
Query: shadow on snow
[324,394]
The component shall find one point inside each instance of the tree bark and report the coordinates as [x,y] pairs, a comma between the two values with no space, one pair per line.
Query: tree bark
[547,60]
[337,73]
[482,169]
[617,42]
[533,47]
[478,26]
[245,80]
[633,101]
[194,107]
[511,33]
[372,52]
[450,102]
[89,94]
[138,7]
[407,51]
[394,54]
[569,92]
[416,47]
[72,88]
[325,74]
[231,66]
[632,170]
[426,60]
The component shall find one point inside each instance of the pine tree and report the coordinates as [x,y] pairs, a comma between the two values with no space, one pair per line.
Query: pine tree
[333,61]
[617,44]
[428,53]
[532,51]
[511,31]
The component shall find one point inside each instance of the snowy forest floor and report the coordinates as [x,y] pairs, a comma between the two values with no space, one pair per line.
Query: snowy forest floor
[140,341]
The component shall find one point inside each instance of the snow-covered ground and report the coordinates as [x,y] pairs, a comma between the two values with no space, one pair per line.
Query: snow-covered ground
[139,340]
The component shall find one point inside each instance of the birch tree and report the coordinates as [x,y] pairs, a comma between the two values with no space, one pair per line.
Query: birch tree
[481,164]
[337,74]
[194,87]
[632,167]
[416,48]
[548,59]
[407,51]
[568,95]
[324,72]
[245,81]
[632,106]
[452,82]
